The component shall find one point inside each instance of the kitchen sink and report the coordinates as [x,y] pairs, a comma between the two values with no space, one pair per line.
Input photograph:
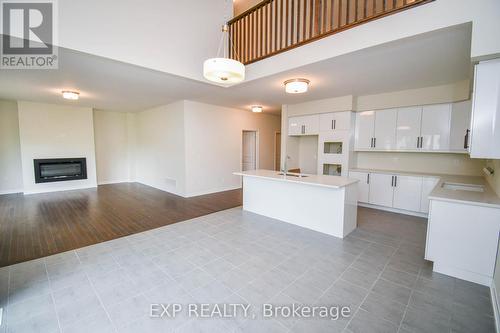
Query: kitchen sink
[463,187]
[298,175]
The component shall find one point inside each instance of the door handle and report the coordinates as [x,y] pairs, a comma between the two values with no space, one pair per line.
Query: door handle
[368,178]
[334,124]
[374,142]
[392,181]
[395,181]
[418,142]
[466,140]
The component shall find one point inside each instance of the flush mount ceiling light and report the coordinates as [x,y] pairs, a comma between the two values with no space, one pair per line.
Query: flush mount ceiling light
[296,86]
[73,95]
[224,70]
[257,109]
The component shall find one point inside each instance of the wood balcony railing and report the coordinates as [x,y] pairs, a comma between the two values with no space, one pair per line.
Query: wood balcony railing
[275,26]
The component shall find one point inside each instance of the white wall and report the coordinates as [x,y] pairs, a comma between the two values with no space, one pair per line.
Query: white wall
[55,131]
[160,148]
[112,146]
[169,36]
[429,17]
[11,179]
[214,145]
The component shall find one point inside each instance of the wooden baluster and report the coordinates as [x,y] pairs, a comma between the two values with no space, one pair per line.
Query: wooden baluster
[332,14]
[255,35]
[286,23]
[324,16]
[261,48]
[304,21]
[292,8]
[266,30]
[311,18]
[317,18]
[297,38]
[339,14]
[282,23]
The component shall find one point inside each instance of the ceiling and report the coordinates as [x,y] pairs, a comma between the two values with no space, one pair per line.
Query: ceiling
[436,58]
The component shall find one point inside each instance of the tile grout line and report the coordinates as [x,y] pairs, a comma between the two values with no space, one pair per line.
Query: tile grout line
[96,293]
[371,288]
[52,295]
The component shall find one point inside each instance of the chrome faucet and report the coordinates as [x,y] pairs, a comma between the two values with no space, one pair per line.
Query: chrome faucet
[285,168]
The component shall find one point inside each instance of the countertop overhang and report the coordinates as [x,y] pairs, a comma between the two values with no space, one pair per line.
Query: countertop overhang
[334,182]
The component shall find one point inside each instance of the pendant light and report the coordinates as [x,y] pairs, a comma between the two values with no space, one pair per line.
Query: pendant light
[224,70]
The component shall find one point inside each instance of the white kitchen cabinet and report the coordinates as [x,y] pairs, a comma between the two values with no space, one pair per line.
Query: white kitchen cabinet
[408,128]
[381,189]
[407,192]
[435,131]
[385,129]
[460,125]
[303,125]
[335,121]
[365,127]
[485,131]
[428,184]
[363,185]
[294,126]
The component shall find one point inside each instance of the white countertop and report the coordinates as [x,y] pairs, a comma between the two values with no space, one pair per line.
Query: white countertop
[487,198]
[315,180]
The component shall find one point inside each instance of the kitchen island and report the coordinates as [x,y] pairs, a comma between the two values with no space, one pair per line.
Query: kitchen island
[327,204]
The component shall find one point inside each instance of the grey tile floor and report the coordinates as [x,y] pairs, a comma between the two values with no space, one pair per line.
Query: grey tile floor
[236,257]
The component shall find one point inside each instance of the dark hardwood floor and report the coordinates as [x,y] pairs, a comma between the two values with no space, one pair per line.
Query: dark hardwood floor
[39,225]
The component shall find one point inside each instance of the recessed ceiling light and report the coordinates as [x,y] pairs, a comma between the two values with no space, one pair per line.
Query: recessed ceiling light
[257,109]
[73,95]
[296,86]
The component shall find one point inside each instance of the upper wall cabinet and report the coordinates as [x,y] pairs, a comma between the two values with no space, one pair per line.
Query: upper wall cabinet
[485,131]
[330,122]
[408,128]
[365,130]
[460,126]
[429,128]
[303,125]
[376,130]
[435,131]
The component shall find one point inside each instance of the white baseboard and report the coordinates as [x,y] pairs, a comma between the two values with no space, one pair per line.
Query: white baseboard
[393,210]
[13,191]
[216,190]
[494,301]
[107,182]
[60,189]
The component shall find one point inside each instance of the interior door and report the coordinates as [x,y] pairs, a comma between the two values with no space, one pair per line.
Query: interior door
[249,157]
[381,190]
[363,184]
[365,124]
[385,129]
[407,193]
[408,127]
[436,127]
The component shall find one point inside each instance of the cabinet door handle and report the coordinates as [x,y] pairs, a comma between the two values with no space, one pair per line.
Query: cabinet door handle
[395,181]
[418,142]
[334,124]
[368,178]
[374,142]
[466,140]
[392,181]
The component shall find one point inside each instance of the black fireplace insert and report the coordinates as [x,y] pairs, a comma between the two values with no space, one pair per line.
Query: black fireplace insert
[60,169]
